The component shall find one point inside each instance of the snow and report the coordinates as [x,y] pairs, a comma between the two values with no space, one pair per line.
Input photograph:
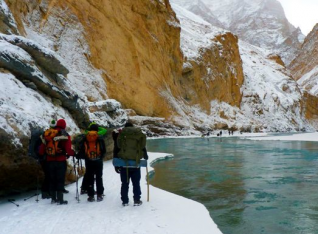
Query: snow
[294,137]
[196,33]
[259,22]
[21,107]
[270,96]
[309,81]
[30,43]
[71,45]
[165,213]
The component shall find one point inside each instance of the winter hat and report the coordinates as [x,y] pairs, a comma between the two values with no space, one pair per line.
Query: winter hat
[53,123]
[93,127]
[61,123]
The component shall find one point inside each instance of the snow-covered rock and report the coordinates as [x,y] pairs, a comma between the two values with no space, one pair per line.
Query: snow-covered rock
[7,22]
[260,22]
[271,99]
[304,67]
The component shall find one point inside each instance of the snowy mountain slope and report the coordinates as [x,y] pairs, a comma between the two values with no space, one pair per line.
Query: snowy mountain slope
[196,33]
[309,81]
[165,213]
[271,100]
[261,23]
[304,66]
[270,97]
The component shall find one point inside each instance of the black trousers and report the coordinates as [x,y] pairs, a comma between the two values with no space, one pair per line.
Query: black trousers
[94,169]
[57,170]
[132,174]
[84,182]
[45,188]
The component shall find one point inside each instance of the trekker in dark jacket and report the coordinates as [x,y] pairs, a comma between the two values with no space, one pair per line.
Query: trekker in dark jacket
[101,133]
[127,174]
[93,151]
[56,159]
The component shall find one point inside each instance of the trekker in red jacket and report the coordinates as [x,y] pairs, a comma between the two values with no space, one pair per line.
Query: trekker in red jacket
[57,148]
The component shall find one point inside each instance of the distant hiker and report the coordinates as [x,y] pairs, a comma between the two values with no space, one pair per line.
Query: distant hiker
[130,144]
[220,133]
[57,147]
[93,151]
[101,133]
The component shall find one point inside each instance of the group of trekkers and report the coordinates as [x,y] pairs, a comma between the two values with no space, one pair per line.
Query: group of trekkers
[55,147]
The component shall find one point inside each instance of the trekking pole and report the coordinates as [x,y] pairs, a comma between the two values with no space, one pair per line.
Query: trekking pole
[77,194]
[13,202]
[37,190]
[147,183]
[30,197]
[37,187]
[81,165]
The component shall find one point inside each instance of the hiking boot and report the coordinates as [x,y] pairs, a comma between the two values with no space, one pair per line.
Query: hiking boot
[137,203]
[125,204]
[65,191]
[63,202]
[46,195]
[99,198]
[90,199]
[53,201]
[83,191]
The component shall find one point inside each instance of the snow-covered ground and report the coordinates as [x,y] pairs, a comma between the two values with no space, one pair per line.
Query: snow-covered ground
[294,137]
[165,213]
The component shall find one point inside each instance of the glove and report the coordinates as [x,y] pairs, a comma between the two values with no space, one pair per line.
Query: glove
[118,169]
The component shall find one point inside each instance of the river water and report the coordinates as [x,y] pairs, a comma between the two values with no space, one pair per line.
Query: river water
[249,187]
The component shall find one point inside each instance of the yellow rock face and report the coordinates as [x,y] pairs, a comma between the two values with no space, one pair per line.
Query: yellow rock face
[137,45]
[310,105]
[217,75]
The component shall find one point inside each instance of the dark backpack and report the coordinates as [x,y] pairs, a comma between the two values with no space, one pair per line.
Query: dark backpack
[78,141]
[34,144]
[131,142]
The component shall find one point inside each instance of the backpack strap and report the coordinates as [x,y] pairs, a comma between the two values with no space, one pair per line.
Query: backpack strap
[60,138]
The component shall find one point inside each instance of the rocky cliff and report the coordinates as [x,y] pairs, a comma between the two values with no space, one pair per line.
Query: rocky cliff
[261,23]
[304,66]
[304,69]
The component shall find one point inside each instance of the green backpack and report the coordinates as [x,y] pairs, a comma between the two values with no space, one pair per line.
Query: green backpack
[131,142]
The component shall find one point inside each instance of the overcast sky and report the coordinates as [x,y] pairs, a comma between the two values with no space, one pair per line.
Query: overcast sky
[301,13]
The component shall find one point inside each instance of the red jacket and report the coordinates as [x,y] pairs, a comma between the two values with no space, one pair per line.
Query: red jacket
[66,146]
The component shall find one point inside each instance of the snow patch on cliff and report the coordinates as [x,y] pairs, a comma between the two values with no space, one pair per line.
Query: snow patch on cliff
[196,33]
[22,107]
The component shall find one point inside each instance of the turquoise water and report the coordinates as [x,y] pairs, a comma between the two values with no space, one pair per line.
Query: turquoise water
[249,187]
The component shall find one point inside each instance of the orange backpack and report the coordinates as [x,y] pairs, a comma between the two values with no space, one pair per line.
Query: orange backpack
[51,146]
[92,147]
